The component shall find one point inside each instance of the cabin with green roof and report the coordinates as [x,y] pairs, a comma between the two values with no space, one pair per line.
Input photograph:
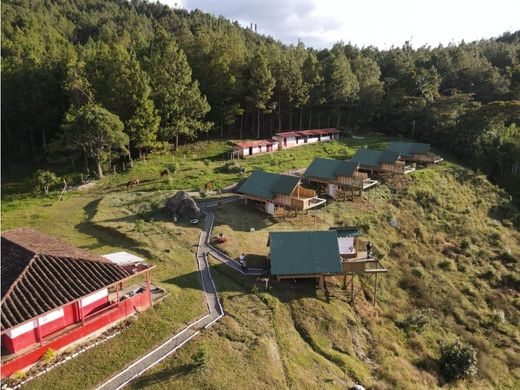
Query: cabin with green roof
[384,161]
[338,176]
[317,254]
[415,152]
[278,193]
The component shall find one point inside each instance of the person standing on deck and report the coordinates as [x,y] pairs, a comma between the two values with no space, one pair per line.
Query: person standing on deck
[369,249]
[243,262]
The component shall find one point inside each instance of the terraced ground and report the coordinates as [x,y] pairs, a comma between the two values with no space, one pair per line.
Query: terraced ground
[453,272]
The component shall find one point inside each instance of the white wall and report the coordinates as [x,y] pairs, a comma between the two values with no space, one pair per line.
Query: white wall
[344,244]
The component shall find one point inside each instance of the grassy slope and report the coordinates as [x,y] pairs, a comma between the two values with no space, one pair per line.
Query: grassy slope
[295,336]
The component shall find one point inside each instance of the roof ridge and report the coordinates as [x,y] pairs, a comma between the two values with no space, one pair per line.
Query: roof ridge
[20,276]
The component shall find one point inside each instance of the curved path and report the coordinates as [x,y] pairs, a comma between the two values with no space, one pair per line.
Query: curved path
[215,311]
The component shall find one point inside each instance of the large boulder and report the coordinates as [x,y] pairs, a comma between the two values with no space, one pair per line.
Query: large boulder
[183,204]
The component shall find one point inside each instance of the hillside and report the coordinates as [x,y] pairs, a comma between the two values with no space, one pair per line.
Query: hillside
[452,261]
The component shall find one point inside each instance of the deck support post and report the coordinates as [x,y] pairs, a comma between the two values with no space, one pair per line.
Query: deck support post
[148,288]
[352,288]
[321,281]
[375,290]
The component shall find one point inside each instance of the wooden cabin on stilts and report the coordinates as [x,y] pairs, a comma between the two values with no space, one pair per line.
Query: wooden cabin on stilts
[321,254]
[278,194]
[415,152]
[340,179]
[381,161]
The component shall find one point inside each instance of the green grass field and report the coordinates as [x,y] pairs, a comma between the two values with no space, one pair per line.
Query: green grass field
[453,259]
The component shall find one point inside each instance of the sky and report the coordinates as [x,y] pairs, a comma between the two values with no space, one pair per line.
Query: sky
[381,23]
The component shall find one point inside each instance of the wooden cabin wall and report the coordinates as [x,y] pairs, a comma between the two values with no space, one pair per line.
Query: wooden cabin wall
[301,192]
[283,199]
[347,180]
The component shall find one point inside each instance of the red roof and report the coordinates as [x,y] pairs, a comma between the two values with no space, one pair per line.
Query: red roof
[40,273]
[255,143]
[303,133]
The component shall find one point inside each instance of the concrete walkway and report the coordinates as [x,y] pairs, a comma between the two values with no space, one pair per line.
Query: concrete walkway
[218,255]
[215,311]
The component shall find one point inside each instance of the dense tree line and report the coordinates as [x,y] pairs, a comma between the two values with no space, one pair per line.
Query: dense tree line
[141,75]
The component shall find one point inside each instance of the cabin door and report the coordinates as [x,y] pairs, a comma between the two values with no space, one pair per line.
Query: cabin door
[332,190]
[285,142]
[269,148]
[250,151]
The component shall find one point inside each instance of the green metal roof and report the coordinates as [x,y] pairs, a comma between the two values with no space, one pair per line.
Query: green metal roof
[374,158]
[330,169]
[407,149]
[351,231]
[266,184]
[296,253]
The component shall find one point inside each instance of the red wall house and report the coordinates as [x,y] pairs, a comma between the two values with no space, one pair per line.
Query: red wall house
[54,294]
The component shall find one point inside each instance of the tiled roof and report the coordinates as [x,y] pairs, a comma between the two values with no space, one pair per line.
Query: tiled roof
[255,143]
[330,169]
[40,273]
[299,253]
[266,184]
[303,133]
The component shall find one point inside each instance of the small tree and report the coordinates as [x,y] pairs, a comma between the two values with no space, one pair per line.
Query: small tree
[201,357]
[95,131]
[43,180]
[457,360]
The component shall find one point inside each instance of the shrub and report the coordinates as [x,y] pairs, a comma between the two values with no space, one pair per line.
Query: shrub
[233,167]
[510,280]
[418,271]
[507,257]
[49,355]
[201,357]
[139,225]
[17,375]
[428,200]
[497,317]
[465,244]
[457,360]
[445,265]
[43,180]
[418,321]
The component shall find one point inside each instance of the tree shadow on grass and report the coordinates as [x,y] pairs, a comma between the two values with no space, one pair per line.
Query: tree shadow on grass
[229,280]
[106,236]
[242,217]
[163,376]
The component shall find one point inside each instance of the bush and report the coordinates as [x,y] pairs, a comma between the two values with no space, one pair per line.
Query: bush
[233,167]
[457,360]
[139,225]
[445,265]
[418,321]
[43,180]
[428,200]
[465,244]
[17,375]
[49,355]
[418,271]
[201,357]
[507,258]
[497,317]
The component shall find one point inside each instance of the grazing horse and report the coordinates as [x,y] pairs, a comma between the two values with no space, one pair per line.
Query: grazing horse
[209,186]
[164,173]
[132,183]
